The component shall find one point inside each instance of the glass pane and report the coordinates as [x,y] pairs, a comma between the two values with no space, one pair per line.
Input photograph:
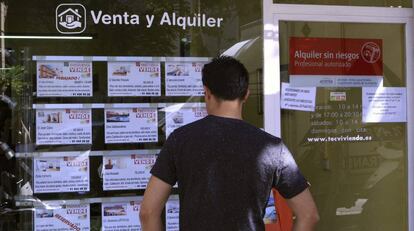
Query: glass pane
[97,49]
[357,167]
[386,3]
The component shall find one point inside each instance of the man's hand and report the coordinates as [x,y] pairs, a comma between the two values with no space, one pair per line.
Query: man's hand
[155,197]
[305,211]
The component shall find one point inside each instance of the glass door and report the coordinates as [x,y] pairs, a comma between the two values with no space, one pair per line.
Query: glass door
[340,100]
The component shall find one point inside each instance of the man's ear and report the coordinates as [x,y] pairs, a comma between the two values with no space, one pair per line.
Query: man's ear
[207,92]
[246,96]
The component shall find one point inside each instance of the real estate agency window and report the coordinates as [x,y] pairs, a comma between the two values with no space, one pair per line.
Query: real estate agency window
[99,86]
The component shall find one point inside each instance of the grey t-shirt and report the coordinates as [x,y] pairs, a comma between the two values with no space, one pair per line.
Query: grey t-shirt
[225,169]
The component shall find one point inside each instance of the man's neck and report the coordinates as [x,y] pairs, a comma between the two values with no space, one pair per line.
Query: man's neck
[228,109]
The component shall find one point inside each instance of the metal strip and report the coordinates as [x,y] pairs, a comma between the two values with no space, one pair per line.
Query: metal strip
[409,49]
[96,200]
[116,105]
[87,153]
[120,58]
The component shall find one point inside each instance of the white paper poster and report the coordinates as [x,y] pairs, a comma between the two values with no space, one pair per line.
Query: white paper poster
[134,79]
[172,215]
[134,125]
[298,98]
[121,216]
[127,172]
[64,79]
[63,218]
[183,79]
[61,174]
[384,104]
[63,126]
[335,62]
[180,116]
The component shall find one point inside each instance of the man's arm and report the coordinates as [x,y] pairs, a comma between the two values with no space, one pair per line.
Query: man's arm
[305,211]
[155,197]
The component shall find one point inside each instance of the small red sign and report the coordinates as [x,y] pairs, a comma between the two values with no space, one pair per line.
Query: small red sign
[335,56]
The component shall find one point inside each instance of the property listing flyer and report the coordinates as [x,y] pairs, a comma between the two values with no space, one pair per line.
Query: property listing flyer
[127,172]
[183,79]
[177,117]
[384,104]
[335,62]
[134,125]
[63,218]
[134,79]
[172,215]
[298,98]
[270,216]
[61,174]
[63,126]
[121,216]
[64,79]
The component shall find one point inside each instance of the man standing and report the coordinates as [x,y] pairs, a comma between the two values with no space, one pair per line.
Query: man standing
[225,167]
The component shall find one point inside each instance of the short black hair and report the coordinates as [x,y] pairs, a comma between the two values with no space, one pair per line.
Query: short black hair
[226,78]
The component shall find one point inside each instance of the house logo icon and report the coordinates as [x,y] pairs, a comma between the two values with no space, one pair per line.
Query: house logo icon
[70,18]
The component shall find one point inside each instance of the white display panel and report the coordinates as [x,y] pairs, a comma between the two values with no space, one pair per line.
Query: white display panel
[62,218]
[63,126]
[127,172]
[61,174]
[134,125]
[121,216]
[134,79]
[64,79]
[183,79]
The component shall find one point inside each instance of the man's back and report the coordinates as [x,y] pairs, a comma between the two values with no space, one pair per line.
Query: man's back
[225,170]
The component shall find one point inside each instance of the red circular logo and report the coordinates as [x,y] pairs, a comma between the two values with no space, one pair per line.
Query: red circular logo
[371,52]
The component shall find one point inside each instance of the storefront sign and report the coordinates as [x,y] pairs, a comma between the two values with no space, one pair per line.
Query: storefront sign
[127,172]
[63,126]
[134,79]
[167,19]
[172,215]
[63,218]
[135,125]
[176,117]
[121,216]
[65,174]
[64,79]
[384,104]
[71,19]
[335,62]
[183,79]
[295,98]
